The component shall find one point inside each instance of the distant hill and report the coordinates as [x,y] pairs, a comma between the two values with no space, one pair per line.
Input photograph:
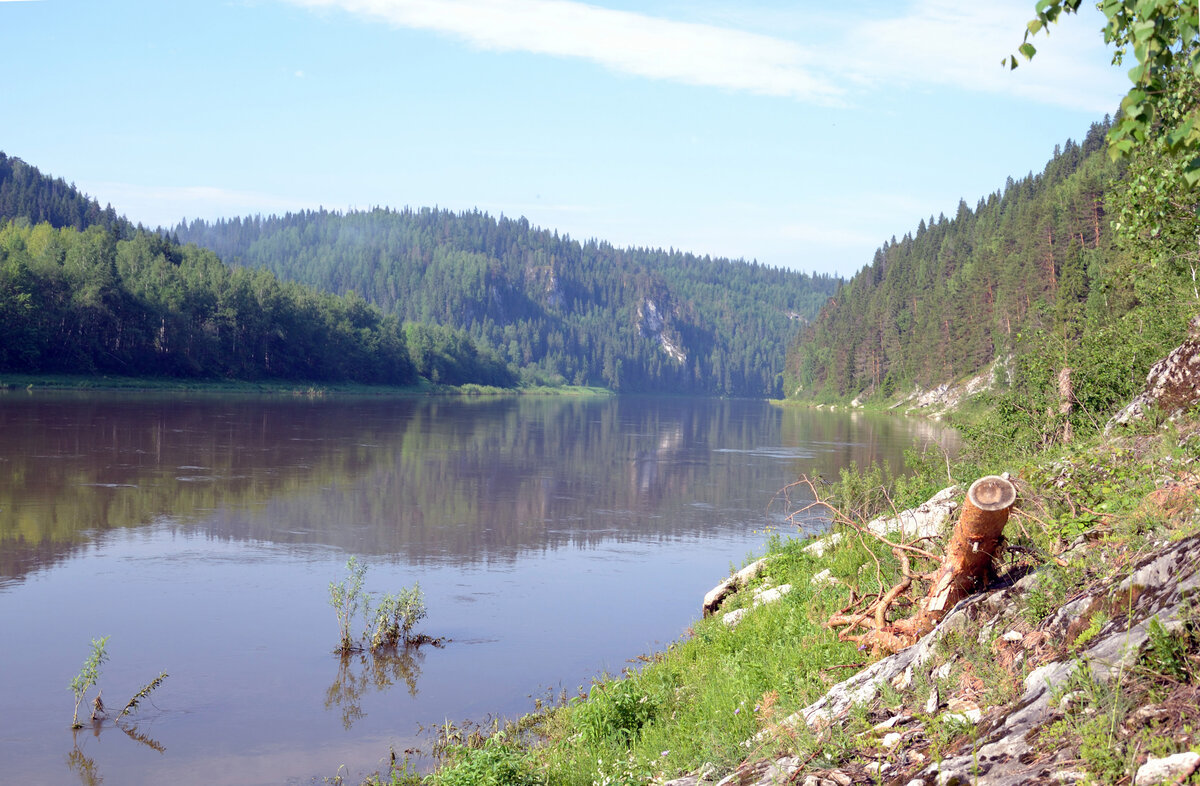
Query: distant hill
[560,310]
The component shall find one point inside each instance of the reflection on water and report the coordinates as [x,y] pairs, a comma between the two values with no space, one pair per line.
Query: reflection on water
[374,670]
[554,539]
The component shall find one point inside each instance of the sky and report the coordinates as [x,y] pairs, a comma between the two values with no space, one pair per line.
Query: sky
[798,134]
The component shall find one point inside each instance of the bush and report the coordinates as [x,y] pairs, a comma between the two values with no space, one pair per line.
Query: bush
[496,763]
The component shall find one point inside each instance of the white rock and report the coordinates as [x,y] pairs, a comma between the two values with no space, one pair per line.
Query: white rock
[712,600]
[892,721]
[931,704]
[771,595]
[818,547]
[969,716]
[1012,635]
[734,617]
[892,740]
[924,521]
[823,579]
[1172,769]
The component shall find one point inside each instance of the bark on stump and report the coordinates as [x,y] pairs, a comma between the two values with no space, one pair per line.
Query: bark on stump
[967,566]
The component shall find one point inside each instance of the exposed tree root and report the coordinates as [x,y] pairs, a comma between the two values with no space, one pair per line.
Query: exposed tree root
[964,568]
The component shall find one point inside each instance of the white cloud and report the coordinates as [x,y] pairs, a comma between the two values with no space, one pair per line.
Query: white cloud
[166,205]
[934,43]
[627,42]
[952,43]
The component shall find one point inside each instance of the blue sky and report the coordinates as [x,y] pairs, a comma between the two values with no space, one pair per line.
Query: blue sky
[800,134]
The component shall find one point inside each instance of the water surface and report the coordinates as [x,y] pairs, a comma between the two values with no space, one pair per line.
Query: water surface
[555,539]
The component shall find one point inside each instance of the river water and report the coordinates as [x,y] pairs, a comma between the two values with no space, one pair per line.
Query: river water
[555,539]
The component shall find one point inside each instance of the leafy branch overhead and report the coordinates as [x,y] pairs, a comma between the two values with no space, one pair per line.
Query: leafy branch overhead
[1164,37]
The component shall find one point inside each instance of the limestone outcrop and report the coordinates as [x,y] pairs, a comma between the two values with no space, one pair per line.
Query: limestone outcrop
[1172,386]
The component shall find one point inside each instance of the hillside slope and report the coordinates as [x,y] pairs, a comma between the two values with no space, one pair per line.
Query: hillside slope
[83,291]
[563,311]
[946,300]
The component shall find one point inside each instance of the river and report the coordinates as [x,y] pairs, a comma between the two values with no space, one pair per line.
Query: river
[555,539]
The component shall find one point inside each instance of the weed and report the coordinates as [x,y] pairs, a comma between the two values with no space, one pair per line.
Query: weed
[396,615]
[346,597]
[1095,625]
[147,689]
[387,625]
[615,710]
[496,762]
[1046,595]
[86,679]
[1166,654]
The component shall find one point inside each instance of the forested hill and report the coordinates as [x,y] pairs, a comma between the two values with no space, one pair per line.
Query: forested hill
[27,193]
[1034,261]
[560,310]
[83,291]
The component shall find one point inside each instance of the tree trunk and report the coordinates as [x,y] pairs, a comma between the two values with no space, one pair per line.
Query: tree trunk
[1066,402]
[967,566]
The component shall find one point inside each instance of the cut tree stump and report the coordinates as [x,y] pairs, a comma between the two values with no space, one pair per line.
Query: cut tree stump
[967,566]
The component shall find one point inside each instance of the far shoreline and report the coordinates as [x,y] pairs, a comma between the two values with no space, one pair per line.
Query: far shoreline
[109,383]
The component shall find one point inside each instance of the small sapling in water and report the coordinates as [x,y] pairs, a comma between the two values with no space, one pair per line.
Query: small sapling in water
[396,616]
[147,689]
[86,679]
[388,624]
[345,597]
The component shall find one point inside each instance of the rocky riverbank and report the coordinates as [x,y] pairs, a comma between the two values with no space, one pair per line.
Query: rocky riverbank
[1078,662]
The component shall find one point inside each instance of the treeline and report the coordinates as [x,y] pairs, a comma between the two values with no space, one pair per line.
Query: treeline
[946,300]
[1076,280]
[87,302]
[83,291]
[559,310]
[26,193]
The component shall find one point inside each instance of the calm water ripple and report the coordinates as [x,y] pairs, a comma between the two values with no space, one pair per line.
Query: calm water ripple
[554,539]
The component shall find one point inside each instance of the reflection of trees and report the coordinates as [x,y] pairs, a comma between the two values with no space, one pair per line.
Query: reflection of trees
[368,671]
[460,480]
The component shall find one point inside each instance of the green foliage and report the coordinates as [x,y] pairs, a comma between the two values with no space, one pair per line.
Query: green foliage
[865,493]
[387,624]
[1166,653]
[143,693]
[346,597]
[962,291]
[615,711]
[496,762]
[395,617]
[1164,37]
[447,356]
[558,310]
[86,679]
